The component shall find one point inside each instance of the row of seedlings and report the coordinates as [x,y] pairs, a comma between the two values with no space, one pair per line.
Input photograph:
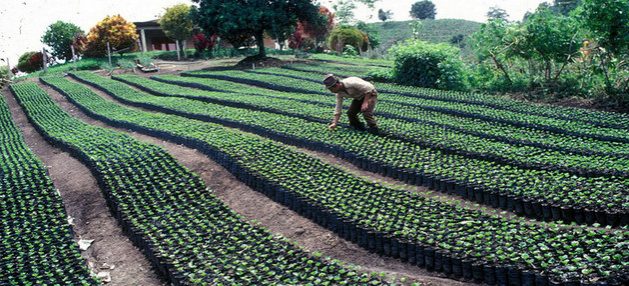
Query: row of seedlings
[188,234]
[429,136]
[36,240]
[549,195]
[595,117]
[440,236]
[484,129]
[292,83]
[362,62]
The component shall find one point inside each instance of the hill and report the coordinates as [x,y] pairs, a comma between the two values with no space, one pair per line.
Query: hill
[440,30]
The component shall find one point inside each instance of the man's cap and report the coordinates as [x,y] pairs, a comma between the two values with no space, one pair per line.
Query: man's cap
[330,80]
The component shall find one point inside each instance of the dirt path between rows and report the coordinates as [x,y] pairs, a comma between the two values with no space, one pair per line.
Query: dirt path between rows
[273,216]
[84,202]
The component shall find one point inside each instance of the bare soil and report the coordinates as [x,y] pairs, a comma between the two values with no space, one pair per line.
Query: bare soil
[258,209]
[84,202]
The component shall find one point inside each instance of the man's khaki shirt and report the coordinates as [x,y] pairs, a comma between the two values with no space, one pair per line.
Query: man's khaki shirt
[356,88]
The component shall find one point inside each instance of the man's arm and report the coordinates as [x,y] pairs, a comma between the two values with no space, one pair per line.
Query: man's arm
[338,110]
[366,101]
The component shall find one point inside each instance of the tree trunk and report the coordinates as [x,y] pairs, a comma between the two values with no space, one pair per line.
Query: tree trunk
[260,42]
[502,68]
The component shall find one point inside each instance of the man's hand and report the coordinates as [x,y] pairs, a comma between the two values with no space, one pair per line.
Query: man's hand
[367,101]
[364,106]
[332,126]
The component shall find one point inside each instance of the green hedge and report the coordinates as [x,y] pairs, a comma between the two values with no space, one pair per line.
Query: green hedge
[424,64]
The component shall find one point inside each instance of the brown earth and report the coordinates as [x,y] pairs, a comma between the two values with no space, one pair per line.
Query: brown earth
[275,217]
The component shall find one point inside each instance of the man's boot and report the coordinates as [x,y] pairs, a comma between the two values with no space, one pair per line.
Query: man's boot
[358,126]
[373,130]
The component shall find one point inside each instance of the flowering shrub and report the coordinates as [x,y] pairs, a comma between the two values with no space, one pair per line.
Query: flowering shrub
[119,32]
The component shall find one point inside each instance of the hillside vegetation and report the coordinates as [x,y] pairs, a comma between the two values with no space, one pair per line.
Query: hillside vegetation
[440,30]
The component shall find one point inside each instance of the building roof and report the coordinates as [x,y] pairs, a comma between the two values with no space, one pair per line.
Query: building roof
[147,24]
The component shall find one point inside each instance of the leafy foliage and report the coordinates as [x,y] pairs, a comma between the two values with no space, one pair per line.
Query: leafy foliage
[424,64]
[607,23]
[384,15]
[345,35]
[234,21]
[60,36]
[176,22]
[372,34]
[564,7]
[31,61]
[321,28]
[424,9]
[120,34]
[497,13]
[203,43]
[5,75]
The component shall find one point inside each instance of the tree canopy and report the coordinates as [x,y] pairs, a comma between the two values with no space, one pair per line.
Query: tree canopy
[115,30]
[384,15]
[176,22]
[242,18]
[423,10]
[59,37]
[497,13]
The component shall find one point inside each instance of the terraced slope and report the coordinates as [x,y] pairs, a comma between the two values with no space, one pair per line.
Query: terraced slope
[426,232]
[531,192]
[187,233]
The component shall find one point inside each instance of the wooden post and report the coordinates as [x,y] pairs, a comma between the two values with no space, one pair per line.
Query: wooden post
[73,56]
[9,67]
[143,36]
[178,54]
[109,55]
[44,59]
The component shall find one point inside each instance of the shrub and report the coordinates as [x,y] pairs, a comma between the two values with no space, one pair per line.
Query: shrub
[59,37]
[430,65]
[342,36]
[30,62]
[5,75]
[117,31]
[380,75]
[350,51]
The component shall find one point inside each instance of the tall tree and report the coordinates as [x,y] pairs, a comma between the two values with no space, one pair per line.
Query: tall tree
[236,18]
[491,42]
[607,22]
[423,10]
[176,23]
[59,37]
[553,38]
[565,6]
[321,28]
[384,15]
[497,13]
